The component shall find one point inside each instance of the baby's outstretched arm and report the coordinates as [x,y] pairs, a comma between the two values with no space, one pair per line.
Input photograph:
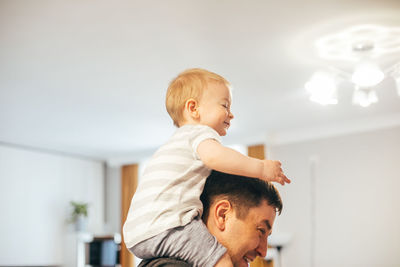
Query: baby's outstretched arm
[218,157]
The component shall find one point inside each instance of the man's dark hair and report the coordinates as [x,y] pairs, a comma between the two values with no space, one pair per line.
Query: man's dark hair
[242,192]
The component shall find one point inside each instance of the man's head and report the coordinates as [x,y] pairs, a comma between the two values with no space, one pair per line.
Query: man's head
[240,213]
[194,88]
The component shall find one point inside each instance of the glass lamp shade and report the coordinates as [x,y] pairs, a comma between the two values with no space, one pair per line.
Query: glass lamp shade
[364,97]
[367,75]
[322,88]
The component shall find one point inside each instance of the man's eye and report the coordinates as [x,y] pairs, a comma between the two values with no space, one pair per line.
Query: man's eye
[262,231]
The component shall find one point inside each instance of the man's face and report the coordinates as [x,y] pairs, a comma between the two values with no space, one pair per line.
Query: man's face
[248,238]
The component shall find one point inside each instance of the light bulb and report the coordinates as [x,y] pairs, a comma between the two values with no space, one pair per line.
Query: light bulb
[322,88]
[367,75]
[364,97]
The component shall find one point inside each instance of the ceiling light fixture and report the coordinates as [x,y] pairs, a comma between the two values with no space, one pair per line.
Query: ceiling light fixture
[362,48]
[367,74]
[322,88]
[364,97]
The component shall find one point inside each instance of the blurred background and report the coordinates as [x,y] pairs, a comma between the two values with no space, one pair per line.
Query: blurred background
[315,83]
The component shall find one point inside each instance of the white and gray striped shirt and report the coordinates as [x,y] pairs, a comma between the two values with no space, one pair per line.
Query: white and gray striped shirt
[169,192]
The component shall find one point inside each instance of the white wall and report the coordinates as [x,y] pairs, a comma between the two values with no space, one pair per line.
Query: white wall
[355,218]
[113,199]
[35,191]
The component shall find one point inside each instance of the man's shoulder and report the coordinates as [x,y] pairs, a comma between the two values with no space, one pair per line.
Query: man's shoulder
[164,262]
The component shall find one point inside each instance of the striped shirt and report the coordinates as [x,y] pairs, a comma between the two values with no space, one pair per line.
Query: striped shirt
[169,192]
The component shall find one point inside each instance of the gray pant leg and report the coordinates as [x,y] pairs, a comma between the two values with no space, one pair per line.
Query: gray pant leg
[163,262]
[192,243]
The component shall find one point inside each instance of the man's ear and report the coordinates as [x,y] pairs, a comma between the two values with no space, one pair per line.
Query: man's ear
[221,211]
[191,107]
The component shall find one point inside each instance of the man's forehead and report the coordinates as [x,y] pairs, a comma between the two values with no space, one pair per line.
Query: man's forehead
[264,214]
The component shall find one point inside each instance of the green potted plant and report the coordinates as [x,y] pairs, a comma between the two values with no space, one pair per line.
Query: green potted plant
[79,215]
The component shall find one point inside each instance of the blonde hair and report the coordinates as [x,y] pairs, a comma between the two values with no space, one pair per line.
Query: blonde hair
[188,84]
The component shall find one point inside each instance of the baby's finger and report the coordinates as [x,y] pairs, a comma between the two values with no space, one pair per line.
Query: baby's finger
[287,180]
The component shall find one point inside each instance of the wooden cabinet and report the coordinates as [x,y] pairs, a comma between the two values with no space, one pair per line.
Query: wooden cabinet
[129,181]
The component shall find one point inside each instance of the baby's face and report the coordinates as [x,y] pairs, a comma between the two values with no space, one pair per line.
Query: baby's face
[215,107]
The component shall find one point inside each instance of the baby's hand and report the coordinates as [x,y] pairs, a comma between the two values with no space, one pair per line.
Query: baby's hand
[273,172]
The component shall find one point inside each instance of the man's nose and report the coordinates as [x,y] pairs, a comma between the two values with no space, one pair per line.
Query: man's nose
[262,248]
[231,115]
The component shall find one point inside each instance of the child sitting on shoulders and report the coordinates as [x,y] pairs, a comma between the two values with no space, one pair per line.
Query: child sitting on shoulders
[164,218]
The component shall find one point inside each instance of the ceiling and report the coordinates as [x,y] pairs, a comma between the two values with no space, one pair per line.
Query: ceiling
[89,77]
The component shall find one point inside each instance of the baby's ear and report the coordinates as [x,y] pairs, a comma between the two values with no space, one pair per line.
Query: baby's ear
[191,107]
